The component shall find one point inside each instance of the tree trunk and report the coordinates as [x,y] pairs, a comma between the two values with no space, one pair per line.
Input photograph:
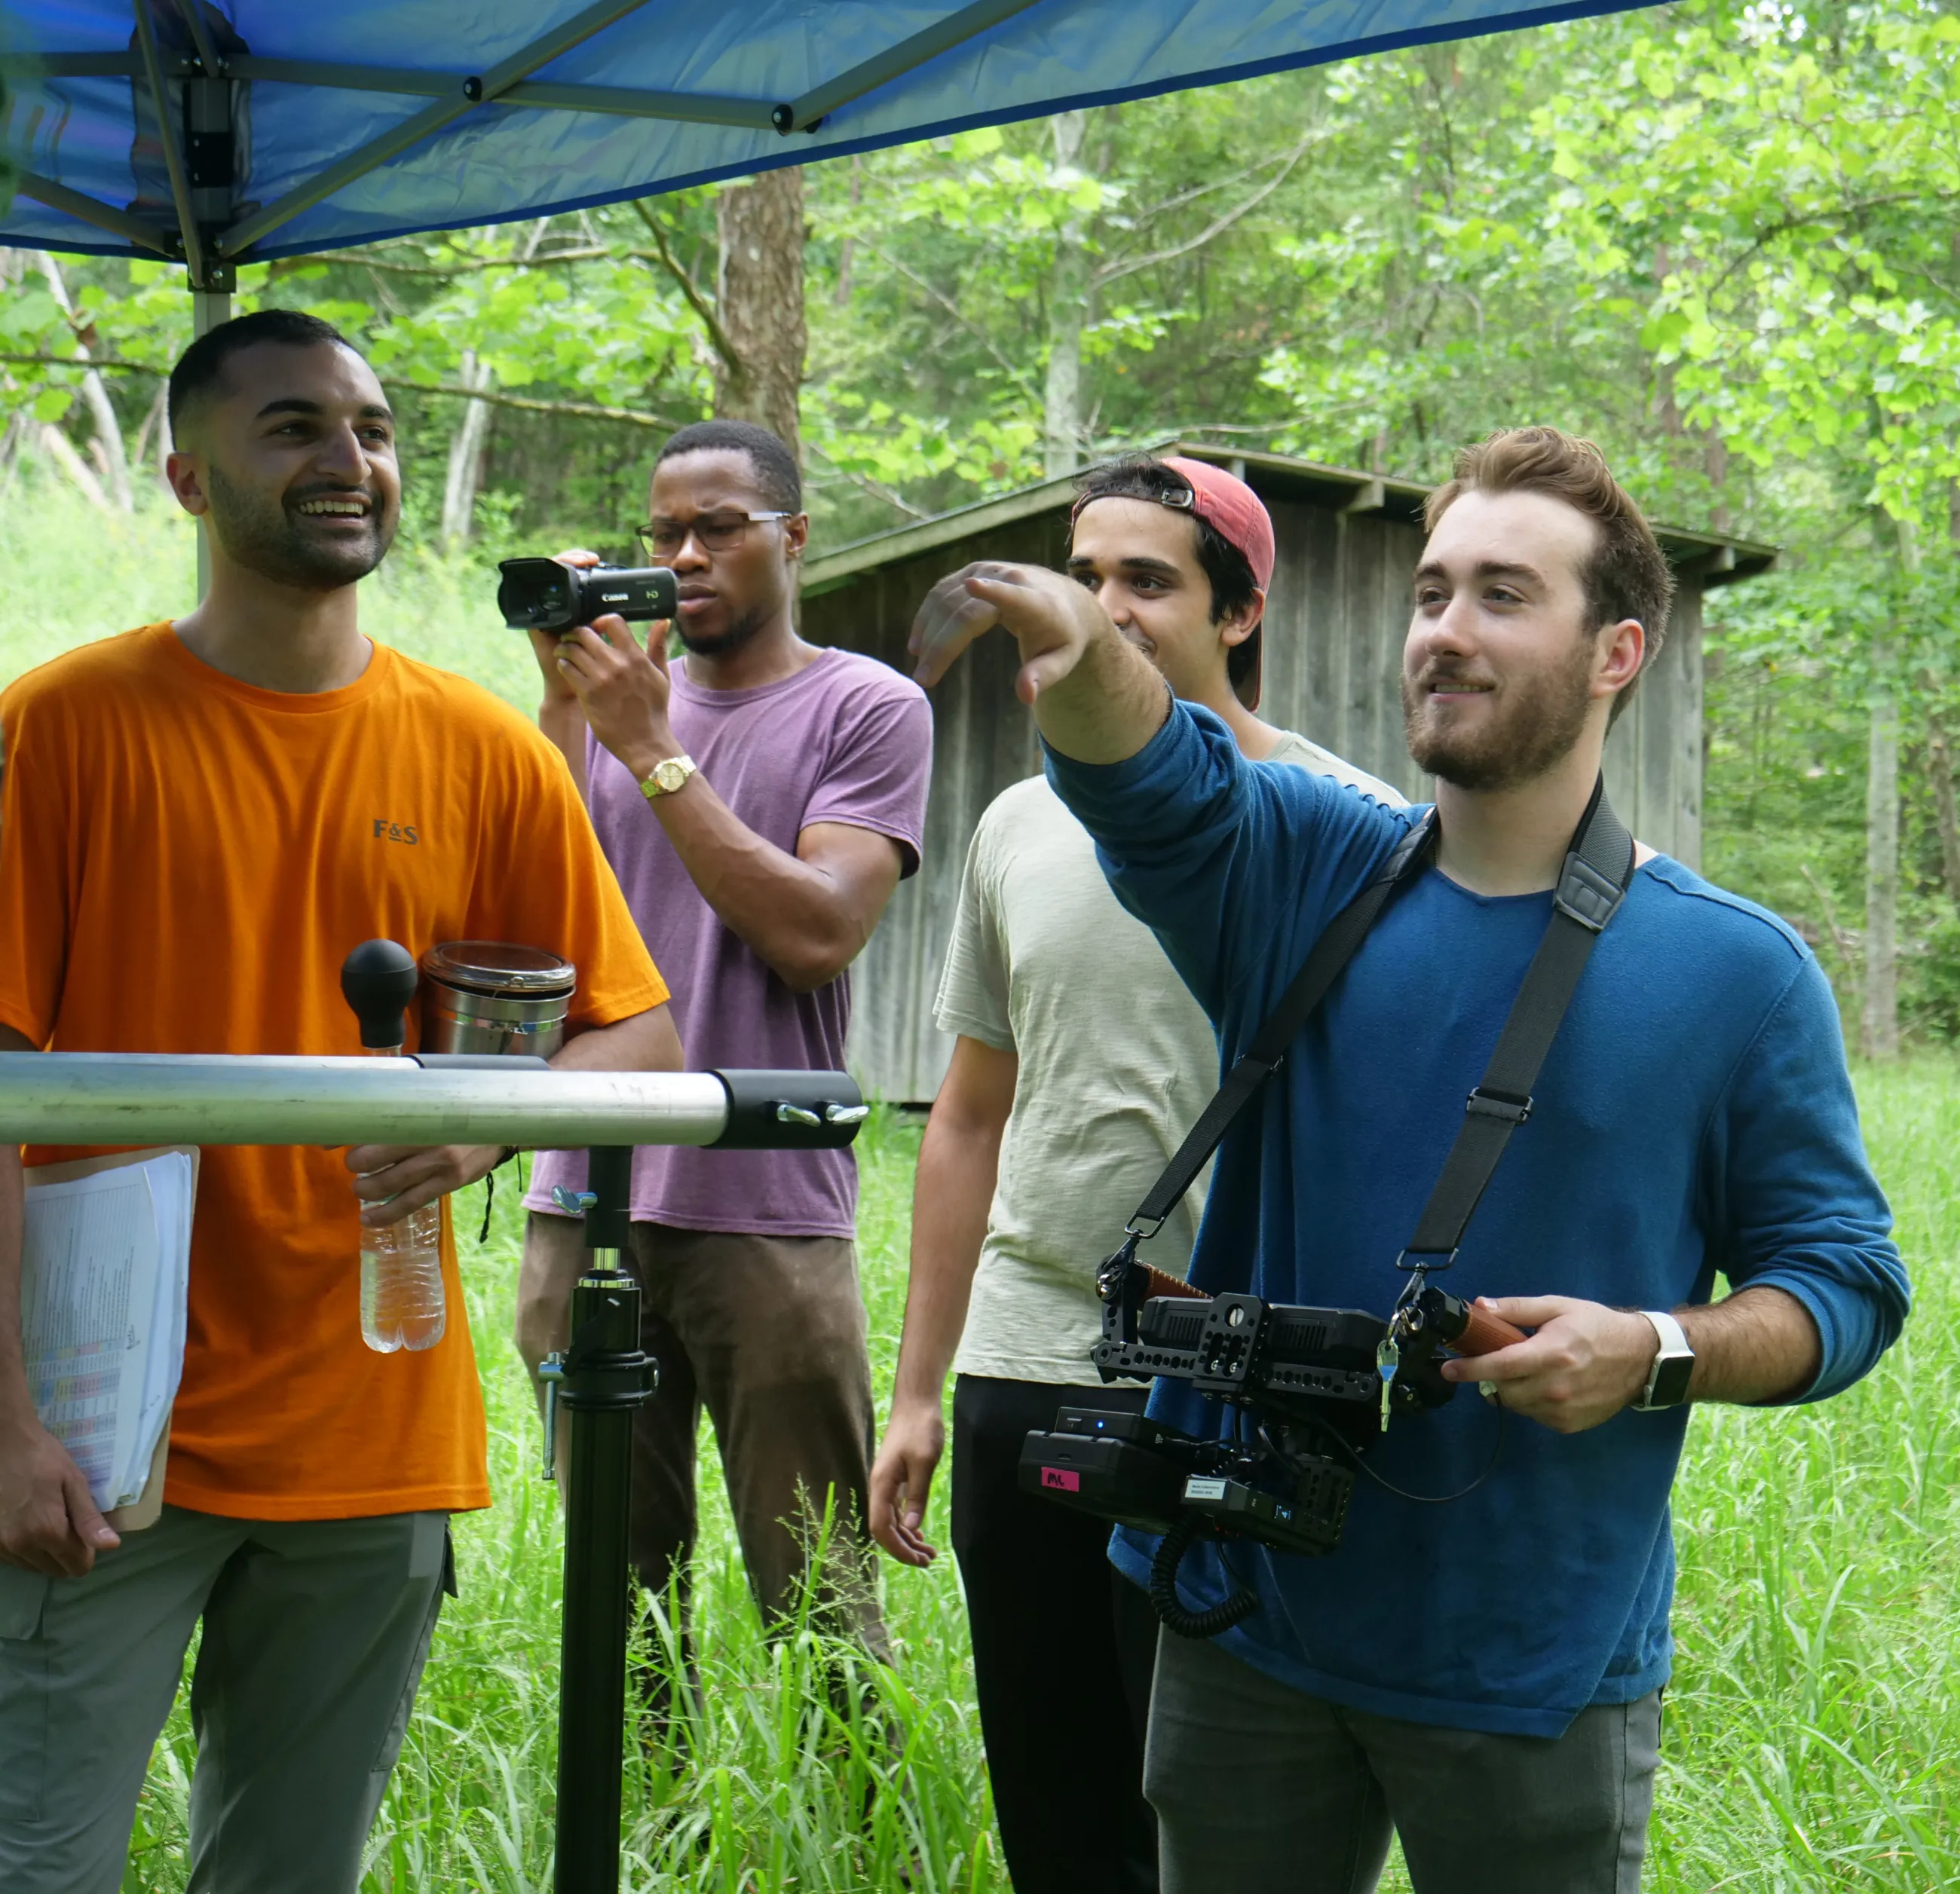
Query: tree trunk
[108,429]
[1940,759]
[1062,443]
[758,303]
[1882,831]
[467,448]
[61,450]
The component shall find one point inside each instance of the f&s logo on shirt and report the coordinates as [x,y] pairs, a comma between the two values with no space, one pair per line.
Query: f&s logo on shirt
[387,831]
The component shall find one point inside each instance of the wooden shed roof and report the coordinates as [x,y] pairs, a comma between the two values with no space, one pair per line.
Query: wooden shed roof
[1714,558]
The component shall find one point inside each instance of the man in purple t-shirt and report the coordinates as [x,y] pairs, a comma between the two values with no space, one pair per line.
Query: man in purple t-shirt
[759,799]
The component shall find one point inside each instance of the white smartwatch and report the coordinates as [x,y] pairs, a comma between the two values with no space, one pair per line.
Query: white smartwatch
[1673,1364]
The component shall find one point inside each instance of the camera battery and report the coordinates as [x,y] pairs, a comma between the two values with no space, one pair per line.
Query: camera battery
[1113,1465]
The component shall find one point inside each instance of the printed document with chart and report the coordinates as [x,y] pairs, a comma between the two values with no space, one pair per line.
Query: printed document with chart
[105,1269]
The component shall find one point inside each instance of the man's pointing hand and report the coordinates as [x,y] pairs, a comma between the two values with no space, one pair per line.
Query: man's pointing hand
[1114,701]
[1050,617]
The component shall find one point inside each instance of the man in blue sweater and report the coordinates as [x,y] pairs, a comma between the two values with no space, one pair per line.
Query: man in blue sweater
[1482,1676]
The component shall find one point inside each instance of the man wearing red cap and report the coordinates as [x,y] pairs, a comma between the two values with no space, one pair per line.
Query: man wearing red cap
[1079,1061]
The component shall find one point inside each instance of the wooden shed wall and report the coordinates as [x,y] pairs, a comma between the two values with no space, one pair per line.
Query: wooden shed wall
[1336,618]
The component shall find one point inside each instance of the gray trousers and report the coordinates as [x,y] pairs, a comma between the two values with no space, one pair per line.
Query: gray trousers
[315,1632]
[1262,1789]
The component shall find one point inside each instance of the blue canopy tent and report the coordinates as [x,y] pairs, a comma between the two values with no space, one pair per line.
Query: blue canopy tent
[290,129]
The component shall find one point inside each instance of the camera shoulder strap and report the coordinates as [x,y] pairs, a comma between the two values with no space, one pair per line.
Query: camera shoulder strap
[1330,953]
[1598,868]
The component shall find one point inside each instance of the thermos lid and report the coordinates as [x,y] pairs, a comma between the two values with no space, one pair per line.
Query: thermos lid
[500,967]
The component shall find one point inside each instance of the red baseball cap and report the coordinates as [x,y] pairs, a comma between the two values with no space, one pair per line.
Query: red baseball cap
[1224,502]
[1237,513]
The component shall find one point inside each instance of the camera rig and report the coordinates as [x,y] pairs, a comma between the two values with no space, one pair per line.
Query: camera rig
[1306,1389]
[1305,1379]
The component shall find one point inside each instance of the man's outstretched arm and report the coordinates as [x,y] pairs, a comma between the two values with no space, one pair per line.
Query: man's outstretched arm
[1095,697]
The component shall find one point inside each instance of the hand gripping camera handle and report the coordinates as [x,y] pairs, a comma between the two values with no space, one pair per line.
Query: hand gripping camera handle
[1482,1333]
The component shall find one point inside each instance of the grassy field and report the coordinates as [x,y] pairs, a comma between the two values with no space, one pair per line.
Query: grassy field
[1813,1733]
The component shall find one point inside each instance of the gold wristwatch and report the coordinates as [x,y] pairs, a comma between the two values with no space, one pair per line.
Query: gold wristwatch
[668,777]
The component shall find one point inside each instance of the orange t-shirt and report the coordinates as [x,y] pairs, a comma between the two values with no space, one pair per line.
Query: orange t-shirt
[185,861]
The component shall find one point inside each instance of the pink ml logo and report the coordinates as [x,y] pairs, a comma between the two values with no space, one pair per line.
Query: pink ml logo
[1057,1477]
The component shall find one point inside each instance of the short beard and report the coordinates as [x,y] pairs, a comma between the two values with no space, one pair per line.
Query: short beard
[259,532]
[739,631]
[1544,721]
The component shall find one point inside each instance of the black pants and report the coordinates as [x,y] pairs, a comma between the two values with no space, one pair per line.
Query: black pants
[1063,1650]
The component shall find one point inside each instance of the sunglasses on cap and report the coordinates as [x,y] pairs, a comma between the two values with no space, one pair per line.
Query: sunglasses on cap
[1185,500]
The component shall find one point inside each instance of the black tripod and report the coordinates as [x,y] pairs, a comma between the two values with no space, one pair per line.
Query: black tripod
[602,1378]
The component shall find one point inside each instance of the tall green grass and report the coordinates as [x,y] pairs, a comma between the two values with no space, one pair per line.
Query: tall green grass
[1812,1741]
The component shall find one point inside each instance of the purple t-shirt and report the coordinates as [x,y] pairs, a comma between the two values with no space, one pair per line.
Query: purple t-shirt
[847,739]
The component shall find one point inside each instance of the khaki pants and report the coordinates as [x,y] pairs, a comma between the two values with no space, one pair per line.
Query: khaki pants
[315,1633]
[768,1333]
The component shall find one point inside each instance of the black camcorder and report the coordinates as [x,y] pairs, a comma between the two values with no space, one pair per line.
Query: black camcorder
[543,595]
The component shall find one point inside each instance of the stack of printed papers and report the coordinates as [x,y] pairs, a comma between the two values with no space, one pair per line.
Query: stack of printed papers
[105,1269]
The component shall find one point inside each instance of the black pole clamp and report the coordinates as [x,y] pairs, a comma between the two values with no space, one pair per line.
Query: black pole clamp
[790,1110]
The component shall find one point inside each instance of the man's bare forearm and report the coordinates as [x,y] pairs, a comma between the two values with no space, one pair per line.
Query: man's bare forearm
[1109,706]
[643,1042]
[1758,1344]
[958,1166]
[805,919]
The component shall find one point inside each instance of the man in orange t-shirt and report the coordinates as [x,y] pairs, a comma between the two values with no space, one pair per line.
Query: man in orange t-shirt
[198,821]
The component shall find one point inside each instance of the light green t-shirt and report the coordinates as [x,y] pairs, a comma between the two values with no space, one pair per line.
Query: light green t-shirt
[1116,1062]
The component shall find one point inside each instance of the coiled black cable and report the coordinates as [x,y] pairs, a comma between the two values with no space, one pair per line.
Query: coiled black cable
[1172,1611]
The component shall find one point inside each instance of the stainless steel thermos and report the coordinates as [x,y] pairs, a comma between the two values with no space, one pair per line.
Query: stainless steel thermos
[492,996]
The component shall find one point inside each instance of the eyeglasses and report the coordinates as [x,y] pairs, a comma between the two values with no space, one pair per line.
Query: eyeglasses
[716,531]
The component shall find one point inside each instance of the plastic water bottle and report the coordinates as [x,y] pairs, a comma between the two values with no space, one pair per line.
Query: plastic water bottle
[402,1305]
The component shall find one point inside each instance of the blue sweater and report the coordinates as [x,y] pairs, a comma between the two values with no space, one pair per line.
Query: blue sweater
[1694,1117]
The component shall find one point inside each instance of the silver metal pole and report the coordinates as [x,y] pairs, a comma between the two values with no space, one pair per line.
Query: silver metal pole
[208,307]
[83,1097]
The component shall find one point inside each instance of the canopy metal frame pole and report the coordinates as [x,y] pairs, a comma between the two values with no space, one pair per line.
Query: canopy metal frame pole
[470,93]
[85,209]
[188,234]
[208,106]
[805,114]
[208,307]
[191,14]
